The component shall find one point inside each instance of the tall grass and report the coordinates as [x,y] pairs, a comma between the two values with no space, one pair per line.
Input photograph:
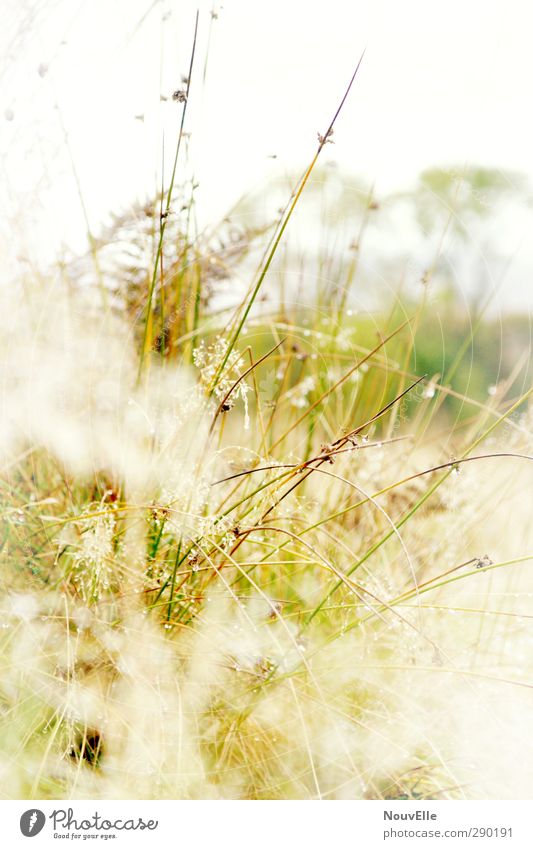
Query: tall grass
[256,552]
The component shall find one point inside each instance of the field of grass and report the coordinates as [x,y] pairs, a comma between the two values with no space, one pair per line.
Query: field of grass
[267,550]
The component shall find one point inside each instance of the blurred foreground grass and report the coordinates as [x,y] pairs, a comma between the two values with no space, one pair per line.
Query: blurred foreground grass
[249,593]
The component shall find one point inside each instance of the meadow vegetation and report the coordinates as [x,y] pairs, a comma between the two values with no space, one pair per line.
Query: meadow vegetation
[259,544]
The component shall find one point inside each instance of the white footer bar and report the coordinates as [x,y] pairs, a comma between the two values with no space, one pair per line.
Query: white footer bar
[268,824]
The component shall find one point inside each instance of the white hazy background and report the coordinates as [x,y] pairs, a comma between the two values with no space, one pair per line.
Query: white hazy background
[83,122]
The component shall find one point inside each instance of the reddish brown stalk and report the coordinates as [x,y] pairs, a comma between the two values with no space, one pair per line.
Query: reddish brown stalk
[341,380]
[225,399]
[341,442]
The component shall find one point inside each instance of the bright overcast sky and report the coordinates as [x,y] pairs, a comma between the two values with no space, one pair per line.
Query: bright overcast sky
[441,82]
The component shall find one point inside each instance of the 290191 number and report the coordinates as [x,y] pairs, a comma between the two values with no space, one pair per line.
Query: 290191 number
[491,832]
